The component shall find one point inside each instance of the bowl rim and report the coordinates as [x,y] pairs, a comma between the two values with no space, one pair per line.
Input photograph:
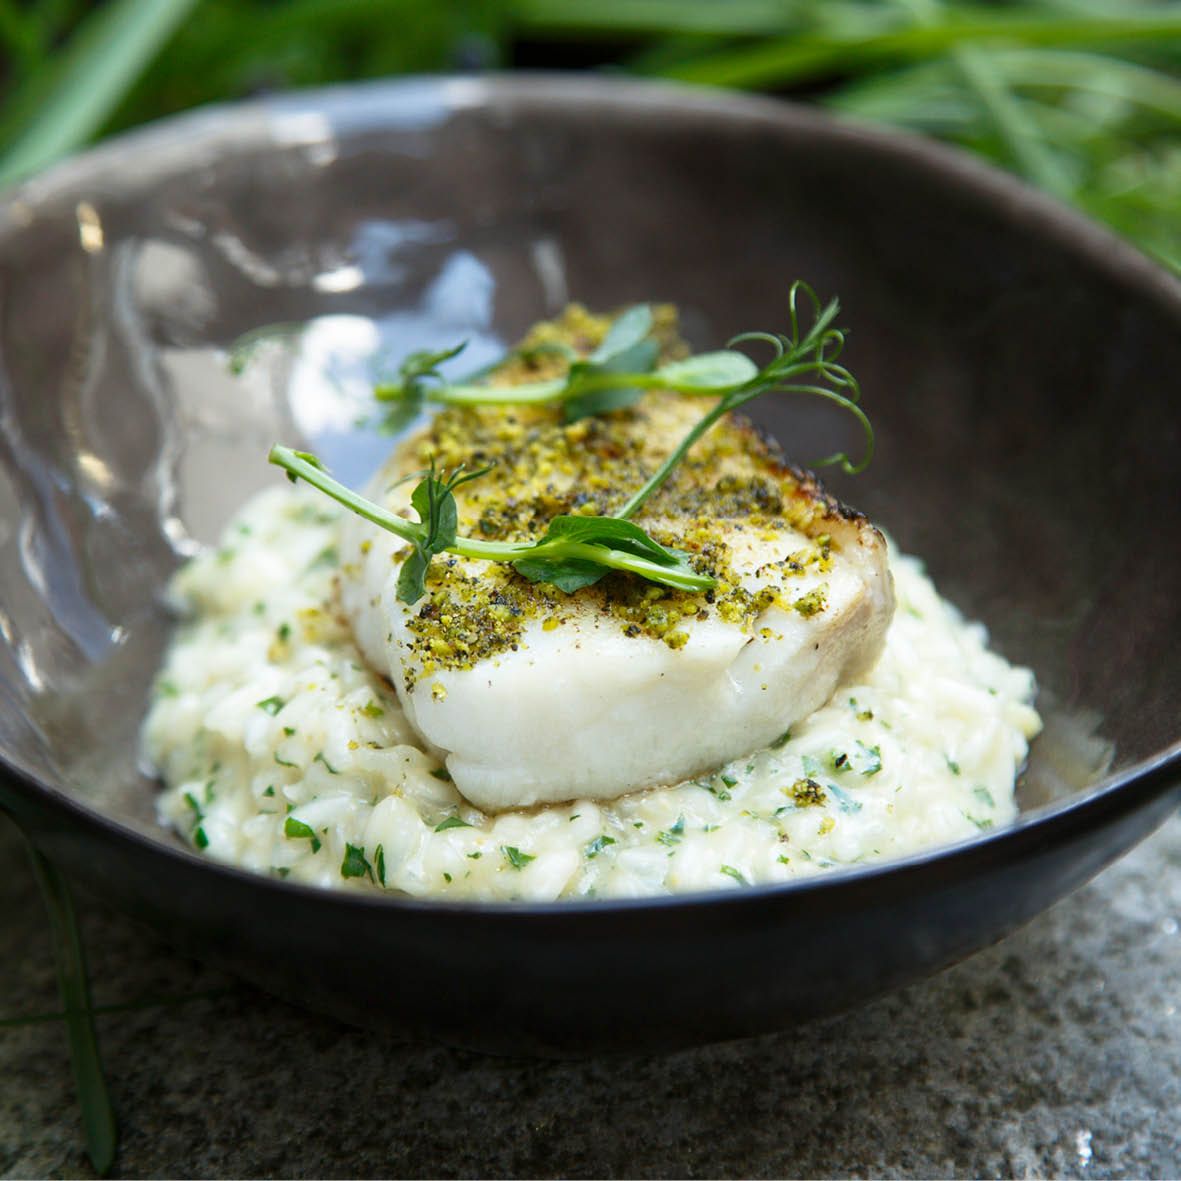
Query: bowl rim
[296,117]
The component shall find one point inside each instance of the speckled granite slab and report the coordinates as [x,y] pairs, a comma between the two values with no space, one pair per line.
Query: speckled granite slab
[1056,1053]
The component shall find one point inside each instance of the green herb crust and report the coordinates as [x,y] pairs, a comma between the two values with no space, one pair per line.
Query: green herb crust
[734,481]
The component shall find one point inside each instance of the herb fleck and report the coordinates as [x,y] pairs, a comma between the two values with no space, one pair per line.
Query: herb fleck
[297,830]
[870,760]
[354,864]
[844,800]
[595,847]
[515,857]
[672,835]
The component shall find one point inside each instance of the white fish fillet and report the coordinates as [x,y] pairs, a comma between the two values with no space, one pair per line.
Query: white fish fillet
[533,696]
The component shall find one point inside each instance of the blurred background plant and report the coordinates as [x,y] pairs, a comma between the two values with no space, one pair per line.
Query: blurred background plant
[1082,97]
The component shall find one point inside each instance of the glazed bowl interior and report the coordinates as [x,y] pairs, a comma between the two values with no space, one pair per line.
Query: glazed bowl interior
[1019,366]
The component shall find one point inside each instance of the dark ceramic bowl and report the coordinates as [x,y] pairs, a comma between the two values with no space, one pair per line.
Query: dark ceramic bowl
[1020,364]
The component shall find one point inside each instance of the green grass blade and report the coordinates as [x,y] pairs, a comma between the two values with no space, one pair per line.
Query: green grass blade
[154,1002]
[103,59]
[1026,147]
[613,18]
[1029,152]
[781,61]
[927,96]
[19,37]
[1095,73]
[98,1116]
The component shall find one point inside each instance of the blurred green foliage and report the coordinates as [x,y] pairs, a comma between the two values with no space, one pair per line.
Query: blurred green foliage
[1082,97]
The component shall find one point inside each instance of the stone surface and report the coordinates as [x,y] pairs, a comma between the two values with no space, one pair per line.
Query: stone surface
[1056,1053]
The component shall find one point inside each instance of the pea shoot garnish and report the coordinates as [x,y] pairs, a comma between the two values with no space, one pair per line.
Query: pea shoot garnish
[577,551]
[618,372]
[574,551]
[591,385]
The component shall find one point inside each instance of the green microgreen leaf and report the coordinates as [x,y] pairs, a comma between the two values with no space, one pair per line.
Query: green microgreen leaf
[271,705]
[724,369]
[593,387]
[407,396]
[599,401]
[412,576]
[451,822]
[434,502]
[629,328]
[569,575]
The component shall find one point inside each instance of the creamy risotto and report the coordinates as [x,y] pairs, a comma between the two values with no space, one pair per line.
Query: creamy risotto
[281,751]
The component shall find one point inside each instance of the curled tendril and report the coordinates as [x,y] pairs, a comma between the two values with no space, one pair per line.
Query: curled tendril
[812,353]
